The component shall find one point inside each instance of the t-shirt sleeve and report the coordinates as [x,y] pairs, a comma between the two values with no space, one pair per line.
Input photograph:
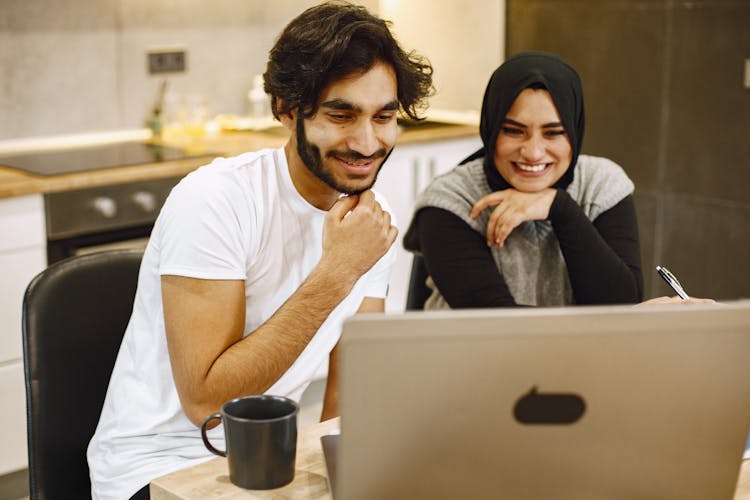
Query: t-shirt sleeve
[380,274]
[202,230]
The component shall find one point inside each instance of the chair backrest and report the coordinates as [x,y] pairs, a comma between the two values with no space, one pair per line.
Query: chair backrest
[418,292]
[74,316]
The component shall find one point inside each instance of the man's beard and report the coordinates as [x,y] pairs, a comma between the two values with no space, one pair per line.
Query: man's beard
[311,157]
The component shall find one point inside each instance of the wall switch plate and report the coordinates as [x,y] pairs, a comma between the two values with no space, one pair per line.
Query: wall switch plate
[747,73]
[166,61]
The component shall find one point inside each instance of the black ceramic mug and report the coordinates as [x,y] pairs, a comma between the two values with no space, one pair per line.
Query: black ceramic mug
[261,440]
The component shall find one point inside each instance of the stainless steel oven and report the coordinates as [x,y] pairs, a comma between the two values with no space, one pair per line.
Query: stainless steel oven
[105,217]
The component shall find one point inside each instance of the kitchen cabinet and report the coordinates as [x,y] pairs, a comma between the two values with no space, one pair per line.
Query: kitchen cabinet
[22,256]
[407,172]
[13,454]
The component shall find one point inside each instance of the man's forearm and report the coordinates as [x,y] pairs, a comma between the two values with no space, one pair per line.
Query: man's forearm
[254,363]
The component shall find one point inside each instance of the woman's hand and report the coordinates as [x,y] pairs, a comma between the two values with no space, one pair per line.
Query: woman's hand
[676,300]
[512,207]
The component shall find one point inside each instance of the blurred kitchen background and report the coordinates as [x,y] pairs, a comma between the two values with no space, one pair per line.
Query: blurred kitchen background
[667,87]
[80,65]
[665,82]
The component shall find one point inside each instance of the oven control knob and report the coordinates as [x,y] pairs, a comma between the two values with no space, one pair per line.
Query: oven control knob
[145,200]
[105,206]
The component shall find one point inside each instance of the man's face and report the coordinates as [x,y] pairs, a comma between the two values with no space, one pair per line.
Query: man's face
[350,136]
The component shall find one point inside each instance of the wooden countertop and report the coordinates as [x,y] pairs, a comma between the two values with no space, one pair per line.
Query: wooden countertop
[210,480]
[16,182]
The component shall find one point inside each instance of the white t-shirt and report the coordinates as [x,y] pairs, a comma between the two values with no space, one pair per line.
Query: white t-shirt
[237,218]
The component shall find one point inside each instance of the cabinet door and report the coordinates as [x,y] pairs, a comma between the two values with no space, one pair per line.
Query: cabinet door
[13,455]
[407,172]
[436,158]
[22,222]
[397,181]
[22,256]
[18,268]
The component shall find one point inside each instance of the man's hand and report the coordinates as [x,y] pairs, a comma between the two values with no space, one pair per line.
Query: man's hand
[357,232]
[512,207]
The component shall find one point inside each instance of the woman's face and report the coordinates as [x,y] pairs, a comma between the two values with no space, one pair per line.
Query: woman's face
[532,150]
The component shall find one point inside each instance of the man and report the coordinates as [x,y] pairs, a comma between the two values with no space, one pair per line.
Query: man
[255,261]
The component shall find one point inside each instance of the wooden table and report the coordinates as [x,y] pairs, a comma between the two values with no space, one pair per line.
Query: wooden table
[210,480]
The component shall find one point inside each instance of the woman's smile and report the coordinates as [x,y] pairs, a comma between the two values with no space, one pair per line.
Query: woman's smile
[532,151]
[526,168]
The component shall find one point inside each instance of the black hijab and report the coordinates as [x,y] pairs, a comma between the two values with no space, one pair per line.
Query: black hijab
[524,70]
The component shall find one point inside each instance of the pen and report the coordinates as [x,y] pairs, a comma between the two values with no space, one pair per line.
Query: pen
[672,281]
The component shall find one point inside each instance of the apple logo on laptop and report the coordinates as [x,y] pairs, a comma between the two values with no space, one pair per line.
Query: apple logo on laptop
[549,407]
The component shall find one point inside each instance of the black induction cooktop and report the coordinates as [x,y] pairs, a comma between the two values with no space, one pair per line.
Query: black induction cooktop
[120,154]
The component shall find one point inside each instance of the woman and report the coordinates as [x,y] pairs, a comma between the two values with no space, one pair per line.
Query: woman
[527,220]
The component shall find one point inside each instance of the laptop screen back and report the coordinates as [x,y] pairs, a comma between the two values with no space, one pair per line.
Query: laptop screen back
[582,402]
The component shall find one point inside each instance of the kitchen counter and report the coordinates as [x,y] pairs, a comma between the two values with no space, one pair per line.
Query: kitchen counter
[15,182]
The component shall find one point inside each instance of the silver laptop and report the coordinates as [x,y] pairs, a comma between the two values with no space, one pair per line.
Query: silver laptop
[574,403]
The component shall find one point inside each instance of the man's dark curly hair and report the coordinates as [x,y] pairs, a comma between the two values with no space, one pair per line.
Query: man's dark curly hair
[333,40]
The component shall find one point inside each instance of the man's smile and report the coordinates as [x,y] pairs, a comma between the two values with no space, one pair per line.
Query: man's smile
[356,163]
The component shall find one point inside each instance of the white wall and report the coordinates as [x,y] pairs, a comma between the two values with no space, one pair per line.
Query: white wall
[69,66]
[463,40]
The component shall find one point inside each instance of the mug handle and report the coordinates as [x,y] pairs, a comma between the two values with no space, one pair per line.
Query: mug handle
[215,416]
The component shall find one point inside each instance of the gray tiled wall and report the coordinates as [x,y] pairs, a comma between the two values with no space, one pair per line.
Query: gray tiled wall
[71,66]
[664,98]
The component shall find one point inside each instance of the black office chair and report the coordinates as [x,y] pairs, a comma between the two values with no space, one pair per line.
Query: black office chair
[74,316]
[418,292]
